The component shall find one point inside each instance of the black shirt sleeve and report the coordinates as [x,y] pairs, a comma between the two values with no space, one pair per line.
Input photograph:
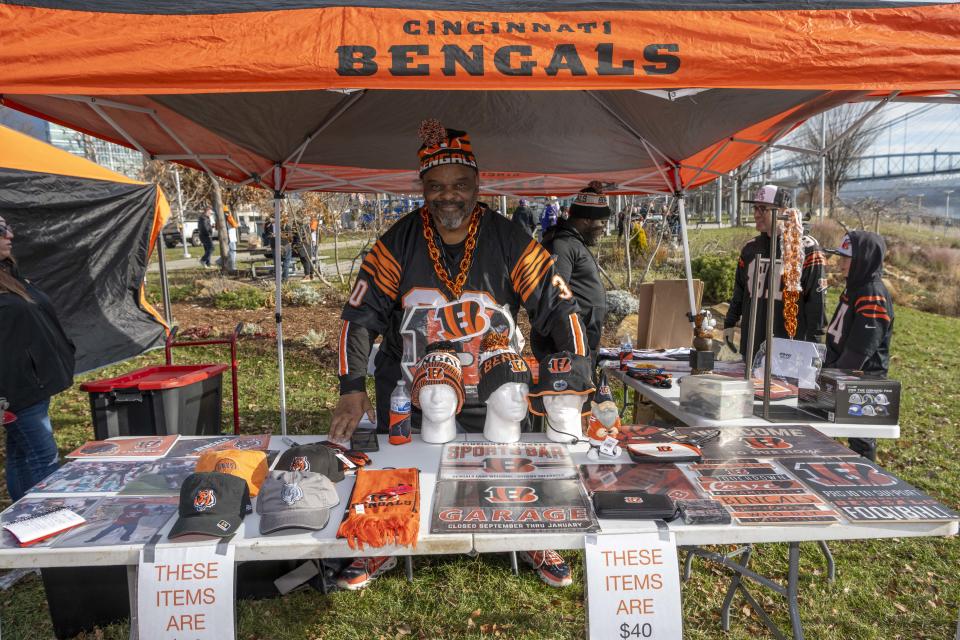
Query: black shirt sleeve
[735,310]
[548,300]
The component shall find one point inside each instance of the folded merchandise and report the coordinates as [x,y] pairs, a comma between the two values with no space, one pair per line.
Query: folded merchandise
[384,508]
[703,512]
[357,458]
[659,380]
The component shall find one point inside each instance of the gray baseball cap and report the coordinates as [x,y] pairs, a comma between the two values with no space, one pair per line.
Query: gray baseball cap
[295,500]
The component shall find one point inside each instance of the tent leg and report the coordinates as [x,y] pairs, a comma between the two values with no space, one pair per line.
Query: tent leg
[278,300]
[164,284]
[686,255]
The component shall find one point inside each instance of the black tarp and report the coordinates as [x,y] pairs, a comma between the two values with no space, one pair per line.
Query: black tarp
[86,244]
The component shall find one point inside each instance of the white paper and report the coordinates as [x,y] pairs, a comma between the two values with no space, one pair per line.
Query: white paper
[633,587]
[186,592]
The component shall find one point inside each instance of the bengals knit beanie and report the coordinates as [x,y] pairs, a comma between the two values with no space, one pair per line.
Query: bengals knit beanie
[439,365]
[499,365]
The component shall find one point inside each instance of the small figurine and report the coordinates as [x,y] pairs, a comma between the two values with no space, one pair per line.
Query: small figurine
[701,358]
[604,420]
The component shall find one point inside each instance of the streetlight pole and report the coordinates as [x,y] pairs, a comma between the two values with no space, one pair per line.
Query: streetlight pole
[948,192]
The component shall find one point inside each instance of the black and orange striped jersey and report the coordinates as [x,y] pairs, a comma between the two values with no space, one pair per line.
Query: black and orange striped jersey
[398,295]
[812,315]
[858,336]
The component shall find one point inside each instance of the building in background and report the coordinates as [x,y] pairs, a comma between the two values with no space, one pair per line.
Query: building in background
[112,156]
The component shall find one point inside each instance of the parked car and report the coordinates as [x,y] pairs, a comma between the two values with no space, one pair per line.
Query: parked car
[171,231]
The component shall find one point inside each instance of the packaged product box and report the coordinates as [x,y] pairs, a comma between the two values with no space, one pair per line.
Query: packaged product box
[852,396]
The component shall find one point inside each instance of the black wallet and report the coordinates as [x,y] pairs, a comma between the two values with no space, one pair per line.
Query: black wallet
[633,505]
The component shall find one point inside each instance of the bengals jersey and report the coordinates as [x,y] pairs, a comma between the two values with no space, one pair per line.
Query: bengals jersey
[858,336]
[399,296]
[811,317]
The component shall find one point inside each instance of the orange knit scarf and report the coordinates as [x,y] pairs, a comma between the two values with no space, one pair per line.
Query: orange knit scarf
[384,509]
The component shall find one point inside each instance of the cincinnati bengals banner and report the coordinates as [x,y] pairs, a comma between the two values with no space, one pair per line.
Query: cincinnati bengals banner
[775,441]
[491,461]
[761,493]
[863,492]
[58,47]
[517,506]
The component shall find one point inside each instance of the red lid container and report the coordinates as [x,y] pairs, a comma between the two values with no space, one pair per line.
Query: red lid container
[153,378]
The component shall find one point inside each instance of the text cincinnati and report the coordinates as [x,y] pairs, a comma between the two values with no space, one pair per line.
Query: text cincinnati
[508,60]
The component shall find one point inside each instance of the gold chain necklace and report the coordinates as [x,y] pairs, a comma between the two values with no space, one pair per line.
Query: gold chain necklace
[456,286]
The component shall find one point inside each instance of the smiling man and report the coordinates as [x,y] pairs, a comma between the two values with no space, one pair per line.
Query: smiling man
[452,270]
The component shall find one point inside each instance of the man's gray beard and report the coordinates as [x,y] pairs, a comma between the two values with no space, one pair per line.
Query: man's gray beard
[450,222]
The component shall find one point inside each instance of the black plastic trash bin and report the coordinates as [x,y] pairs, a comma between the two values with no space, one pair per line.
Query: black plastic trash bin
[163,400]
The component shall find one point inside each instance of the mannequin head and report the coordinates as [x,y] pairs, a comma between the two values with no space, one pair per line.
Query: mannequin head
[439,367]
[509,402]
[564,406]
[438,402]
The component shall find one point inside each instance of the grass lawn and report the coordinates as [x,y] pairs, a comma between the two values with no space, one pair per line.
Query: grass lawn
[885,590]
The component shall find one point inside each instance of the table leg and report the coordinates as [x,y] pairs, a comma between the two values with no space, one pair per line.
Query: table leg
[513,563]
[732,589]
[687,566]
[793,585]
[408,562]
[132,591]
[831,569]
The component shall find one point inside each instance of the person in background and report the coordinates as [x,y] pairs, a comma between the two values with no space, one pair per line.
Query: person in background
[568,242]
[858,336]
[523,216]
[550,215]
[36,363]
[811,319]
[286,251]
[233,235]
[205,229]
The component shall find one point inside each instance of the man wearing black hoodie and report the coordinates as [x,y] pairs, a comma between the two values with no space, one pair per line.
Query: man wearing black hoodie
[858,336]
[577,269]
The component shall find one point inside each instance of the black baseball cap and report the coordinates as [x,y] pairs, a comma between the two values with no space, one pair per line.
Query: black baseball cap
[314,457]
[561,373]
[211,504]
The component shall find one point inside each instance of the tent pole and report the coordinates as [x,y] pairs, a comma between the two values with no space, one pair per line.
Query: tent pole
[719,201]
[164,285]
[278,297]
[680,195]
[823,160]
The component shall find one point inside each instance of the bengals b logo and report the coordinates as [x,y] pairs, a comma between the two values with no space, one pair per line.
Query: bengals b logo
[517,365]
[205,499]
[434,373]
[559,365]
[510,495]
[461,321]
[767,442]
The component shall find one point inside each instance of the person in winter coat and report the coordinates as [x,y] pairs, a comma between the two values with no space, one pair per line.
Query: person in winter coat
[549,217]
[858,336]
[811,319]
[578,274]
[36,363]
[523,216]
[205,229]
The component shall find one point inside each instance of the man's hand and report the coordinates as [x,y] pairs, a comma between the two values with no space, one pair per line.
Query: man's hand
[728,335]
[348,413]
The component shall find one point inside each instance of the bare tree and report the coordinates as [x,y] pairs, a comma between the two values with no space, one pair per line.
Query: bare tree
[846,144]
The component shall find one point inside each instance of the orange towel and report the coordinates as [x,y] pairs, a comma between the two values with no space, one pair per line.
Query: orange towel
[389,509]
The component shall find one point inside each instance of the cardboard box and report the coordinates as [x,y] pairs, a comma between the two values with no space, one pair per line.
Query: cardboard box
[662,319]
[852,396]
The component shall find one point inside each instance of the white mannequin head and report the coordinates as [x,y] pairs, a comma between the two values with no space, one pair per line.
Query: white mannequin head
[506,409]
[438,402]
[563,416]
